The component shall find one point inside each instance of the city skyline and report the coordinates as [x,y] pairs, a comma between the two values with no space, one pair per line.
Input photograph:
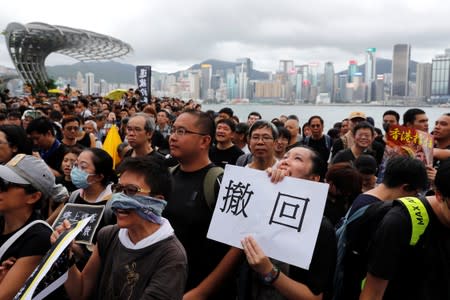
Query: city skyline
[173,35]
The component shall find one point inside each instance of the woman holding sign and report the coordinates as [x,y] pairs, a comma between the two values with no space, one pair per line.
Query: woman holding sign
[25,184]
[140,257]
[93,175]
[277,280]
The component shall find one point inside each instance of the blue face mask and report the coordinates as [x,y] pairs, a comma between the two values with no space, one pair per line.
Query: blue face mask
[79,178]
[146,207]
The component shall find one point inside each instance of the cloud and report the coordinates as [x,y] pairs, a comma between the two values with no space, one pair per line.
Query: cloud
[175,34]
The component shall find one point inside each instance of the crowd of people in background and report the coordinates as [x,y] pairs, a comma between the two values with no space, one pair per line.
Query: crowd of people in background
[159,201]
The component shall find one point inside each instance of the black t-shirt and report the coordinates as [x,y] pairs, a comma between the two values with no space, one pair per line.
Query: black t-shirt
[158,140]
[33,242]
[222,157]
[151,154]
[319,277]
[361,201]
[320,146]
[85,141]
[338,145]
[68,184]
[190,217]
[419,272]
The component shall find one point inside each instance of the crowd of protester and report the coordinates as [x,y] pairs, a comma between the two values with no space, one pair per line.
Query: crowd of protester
[151,242]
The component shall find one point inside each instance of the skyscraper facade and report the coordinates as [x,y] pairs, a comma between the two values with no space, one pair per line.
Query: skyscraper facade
[286,65]
[352,69]
[423,80]
[400,70]
[205,83]
[329,80]
[89,81]
[440,77]
[370,73]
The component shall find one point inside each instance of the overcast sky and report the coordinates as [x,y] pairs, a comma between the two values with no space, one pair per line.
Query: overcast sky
[172,35]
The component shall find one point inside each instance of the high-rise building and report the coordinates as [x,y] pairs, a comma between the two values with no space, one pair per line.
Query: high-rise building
[314,73]
[103,87]
[246,65]
[370,73]
[194,84]
[379,87]
[242,85]
[80,81]
[89,83]
[342,88]
[231,86]
[400,70]
[440,77]
[205,82]
[423,80]
[352,69]
[329,80]
[286,66]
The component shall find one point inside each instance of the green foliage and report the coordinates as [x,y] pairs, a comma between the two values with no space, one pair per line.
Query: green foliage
[42,87]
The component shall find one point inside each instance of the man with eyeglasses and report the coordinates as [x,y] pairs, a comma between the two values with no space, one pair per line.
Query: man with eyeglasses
[363,134]
[140,257]
[210,263]
[397,270]
[139,130]
[262,136]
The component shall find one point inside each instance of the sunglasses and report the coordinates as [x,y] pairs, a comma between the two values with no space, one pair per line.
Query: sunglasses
[6,185]
[128,189]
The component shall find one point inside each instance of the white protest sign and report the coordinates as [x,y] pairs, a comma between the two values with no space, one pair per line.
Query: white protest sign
[284,218]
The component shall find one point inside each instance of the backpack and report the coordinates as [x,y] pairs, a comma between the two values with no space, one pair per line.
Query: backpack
[327,141]
[352,248]
[208,184]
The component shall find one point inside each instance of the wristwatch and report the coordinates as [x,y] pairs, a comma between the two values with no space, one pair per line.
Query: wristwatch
[270,277]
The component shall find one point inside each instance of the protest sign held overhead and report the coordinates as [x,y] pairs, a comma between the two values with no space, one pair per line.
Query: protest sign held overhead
[284,218]
[402,140]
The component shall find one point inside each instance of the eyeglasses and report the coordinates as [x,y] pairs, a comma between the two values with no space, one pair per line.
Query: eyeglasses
[182,131]
[128,189]
[314,126]
[6,185]
[72,128]
[264,138]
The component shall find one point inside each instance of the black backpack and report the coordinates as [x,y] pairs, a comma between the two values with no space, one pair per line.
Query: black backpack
[354,237]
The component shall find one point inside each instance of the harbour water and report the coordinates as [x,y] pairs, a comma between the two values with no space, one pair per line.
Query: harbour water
[330,113]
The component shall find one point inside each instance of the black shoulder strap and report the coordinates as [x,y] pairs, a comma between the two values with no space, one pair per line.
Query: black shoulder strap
[208,186]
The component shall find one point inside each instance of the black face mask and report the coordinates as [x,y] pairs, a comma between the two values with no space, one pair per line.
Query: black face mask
[386,126]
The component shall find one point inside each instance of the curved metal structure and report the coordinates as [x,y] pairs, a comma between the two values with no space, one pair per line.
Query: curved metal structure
[30,44]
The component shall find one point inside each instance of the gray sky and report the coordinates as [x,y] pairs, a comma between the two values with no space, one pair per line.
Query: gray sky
[172,35]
